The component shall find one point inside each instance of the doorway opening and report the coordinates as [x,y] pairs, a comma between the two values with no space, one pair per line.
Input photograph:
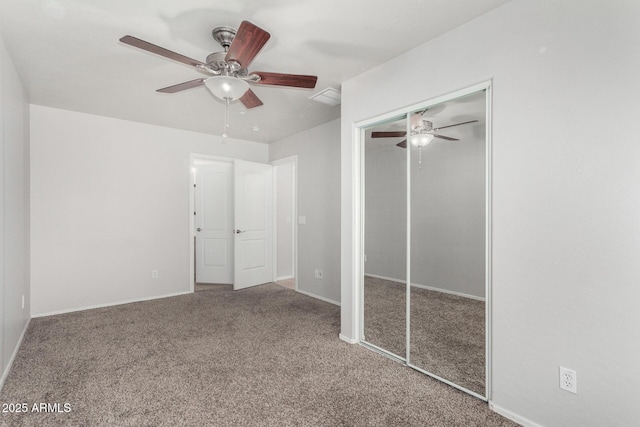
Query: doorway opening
[231,211]
[285,214]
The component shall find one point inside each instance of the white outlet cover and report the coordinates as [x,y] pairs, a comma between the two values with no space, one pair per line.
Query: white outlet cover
[568,380]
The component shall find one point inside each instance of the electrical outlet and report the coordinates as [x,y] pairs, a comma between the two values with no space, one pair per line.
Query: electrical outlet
[568,380]
[154,274]
[318,274]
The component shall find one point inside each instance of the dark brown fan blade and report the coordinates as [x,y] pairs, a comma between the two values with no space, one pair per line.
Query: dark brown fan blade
[402,144]
[182,86]
[250,100]
[457,124]
[448,138]
[292,80]
[388,134]
[246,44]
[133,41]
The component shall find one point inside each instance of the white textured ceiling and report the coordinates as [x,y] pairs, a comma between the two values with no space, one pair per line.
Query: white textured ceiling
[68,54]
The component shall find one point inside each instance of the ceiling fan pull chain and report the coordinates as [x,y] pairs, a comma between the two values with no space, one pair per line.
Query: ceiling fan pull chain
[226,113]
[227,101]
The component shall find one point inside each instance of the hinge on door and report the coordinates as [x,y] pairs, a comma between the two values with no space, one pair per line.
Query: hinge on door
[194,186]
[194,213]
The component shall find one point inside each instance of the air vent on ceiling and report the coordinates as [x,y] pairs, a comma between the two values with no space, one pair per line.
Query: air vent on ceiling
[327,96]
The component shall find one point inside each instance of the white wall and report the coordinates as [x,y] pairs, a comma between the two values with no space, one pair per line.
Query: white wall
[14,208]
[318,151]
[284,188]
[565,195]
[110,203]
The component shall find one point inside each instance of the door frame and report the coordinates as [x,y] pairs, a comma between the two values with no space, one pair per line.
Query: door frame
[193,158]
[294,219]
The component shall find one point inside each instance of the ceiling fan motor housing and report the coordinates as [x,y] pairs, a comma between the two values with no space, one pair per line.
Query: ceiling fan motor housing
[423,126]
[216,63]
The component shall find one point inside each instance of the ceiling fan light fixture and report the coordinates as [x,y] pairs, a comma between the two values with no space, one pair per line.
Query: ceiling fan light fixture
[421,140]
[226,87]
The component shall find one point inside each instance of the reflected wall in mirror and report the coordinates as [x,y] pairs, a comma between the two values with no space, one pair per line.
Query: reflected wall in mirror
[385,230]
[448,243]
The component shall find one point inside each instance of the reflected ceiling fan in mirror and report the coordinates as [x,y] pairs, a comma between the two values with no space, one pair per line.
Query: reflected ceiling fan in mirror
[421,135]
[227,72]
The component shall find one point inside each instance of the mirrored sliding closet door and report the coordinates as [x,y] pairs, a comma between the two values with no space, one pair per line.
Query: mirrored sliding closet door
[426,247]
[448,243]
[385,237]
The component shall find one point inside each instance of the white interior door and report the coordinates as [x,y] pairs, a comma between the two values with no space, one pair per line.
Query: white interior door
[214,222]
[253,184]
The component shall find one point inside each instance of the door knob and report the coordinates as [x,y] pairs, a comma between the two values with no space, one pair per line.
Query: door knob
[239,231]
[198,229]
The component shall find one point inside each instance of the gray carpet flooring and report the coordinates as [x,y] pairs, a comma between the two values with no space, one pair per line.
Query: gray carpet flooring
[447,331]
[263,356]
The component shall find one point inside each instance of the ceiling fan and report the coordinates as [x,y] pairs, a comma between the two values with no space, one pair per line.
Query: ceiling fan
[227,75]
[422,133]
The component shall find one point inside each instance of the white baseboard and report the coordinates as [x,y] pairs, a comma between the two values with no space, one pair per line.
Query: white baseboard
[444,291]
[430,288]
[391,279]
[512,416]
[309,294]
[109,304]
[5,374]
[283,278]
[347,339]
